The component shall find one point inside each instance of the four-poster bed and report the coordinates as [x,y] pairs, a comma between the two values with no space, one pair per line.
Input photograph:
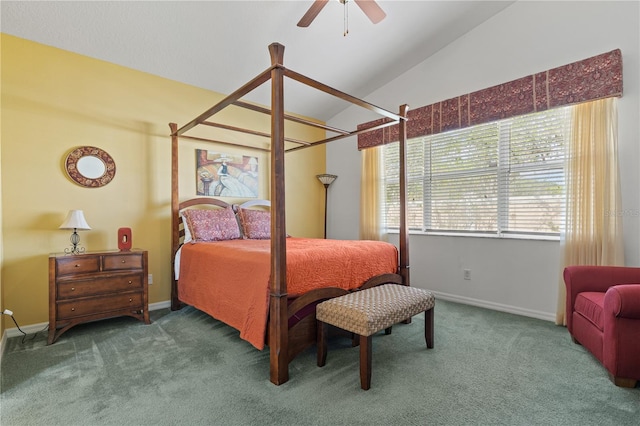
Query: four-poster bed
[291,320]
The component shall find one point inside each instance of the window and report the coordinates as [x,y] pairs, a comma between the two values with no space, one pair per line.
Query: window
[499,178]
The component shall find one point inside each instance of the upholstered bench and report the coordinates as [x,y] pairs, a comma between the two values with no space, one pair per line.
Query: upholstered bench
[368,311]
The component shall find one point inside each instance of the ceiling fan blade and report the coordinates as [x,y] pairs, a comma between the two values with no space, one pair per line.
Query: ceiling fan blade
[372,10]
[313,11]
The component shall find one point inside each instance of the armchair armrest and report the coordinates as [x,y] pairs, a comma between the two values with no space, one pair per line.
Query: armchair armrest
[621,339]
[582,278]
[623,301]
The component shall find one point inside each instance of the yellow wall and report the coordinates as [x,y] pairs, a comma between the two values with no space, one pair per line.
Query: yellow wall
[54,101]
[2,326]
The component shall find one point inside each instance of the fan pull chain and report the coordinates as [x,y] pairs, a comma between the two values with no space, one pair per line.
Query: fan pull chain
[346,17]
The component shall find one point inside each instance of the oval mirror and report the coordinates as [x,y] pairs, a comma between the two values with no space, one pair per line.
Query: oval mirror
[90,166]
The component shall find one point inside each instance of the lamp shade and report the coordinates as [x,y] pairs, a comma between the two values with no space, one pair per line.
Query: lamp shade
[75,220]
[327,179]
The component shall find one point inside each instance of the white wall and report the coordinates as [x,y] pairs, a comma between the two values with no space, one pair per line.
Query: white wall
[527,37]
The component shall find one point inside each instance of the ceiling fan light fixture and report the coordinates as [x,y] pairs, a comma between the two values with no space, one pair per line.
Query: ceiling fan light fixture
[369,7]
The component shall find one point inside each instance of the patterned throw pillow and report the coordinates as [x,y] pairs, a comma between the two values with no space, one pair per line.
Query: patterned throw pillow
[212,225]
[256,224]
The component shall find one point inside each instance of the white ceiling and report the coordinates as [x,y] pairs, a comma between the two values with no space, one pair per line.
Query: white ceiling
[220,45]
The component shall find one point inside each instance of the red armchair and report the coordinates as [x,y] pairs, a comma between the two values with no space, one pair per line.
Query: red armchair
[603,315]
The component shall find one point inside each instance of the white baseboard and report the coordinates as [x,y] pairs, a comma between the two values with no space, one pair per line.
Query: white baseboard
[29,329]
[3,344]
[547,316]
[34,328]
[159,305]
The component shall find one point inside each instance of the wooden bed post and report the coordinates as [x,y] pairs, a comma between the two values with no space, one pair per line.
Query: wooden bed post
[278,318]
[404,227]
[175,202]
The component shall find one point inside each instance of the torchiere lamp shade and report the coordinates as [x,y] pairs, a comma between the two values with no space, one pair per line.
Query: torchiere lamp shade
[326,179]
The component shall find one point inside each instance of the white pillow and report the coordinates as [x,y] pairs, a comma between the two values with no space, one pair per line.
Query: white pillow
[187,231]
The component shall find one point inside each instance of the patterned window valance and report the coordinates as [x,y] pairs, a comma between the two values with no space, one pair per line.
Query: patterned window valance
[590,79]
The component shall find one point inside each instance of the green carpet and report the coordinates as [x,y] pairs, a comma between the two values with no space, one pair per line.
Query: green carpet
[487,368]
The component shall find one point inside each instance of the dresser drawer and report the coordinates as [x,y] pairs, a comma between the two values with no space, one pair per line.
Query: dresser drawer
[73,265]
[106,285]
[123,261]
[81,307]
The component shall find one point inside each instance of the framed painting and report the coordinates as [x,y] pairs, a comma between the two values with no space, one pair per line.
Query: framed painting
[226,175]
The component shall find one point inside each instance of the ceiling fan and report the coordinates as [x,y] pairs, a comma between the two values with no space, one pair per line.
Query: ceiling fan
[369,7]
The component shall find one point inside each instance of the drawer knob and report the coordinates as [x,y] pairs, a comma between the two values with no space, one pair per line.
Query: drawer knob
[130,282]
[124,261]
[73,289]
[77,265]
[130,300]
[73,309]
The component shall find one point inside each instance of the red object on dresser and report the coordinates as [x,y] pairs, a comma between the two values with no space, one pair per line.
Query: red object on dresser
[603,315]
[124,239]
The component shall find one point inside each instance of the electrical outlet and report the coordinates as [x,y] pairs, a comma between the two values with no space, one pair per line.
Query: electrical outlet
[150,280]
[467,274]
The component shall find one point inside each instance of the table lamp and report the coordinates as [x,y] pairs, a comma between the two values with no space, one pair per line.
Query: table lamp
[75,220]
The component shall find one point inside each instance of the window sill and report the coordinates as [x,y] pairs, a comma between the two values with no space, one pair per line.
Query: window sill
[480,235]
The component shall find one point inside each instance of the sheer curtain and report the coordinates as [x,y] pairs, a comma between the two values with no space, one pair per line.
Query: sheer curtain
[593,234]
[370,195]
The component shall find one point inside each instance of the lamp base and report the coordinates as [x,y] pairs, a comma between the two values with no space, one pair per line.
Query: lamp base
[74,250]
[75,240]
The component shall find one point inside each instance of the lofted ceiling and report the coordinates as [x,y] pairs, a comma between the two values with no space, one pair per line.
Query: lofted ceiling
[220,45]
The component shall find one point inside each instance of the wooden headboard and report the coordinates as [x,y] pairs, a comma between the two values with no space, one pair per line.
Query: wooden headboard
[252,203]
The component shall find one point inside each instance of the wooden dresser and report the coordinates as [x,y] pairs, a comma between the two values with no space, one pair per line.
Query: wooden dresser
[95,286]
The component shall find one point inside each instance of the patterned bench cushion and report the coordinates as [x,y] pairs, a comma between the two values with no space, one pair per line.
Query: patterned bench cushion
[369,311]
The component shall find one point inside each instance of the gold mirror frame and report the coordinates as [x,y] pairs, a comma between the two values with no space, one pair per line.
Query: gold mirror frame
[85,153]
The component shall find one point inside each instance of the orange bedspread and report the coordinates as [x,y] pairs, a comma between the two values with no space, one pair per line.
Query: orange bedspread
[229,280]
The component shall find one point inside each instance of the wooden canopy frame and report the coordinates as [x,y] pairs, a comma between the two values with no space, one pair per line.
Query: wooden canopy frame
[278,330]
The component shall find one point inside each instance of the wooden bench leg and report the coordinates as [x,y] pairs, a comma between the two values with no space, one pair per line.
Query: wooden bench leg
[355,340]
[321,343]
[428,327]
[365,362]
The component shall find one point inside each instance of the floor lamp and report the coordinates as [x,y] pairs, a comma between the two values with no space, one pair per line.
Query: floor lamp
[326,181]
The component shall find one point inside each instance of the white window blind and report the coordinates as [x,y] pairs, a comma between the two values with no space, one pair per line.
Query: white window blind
[499,178]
